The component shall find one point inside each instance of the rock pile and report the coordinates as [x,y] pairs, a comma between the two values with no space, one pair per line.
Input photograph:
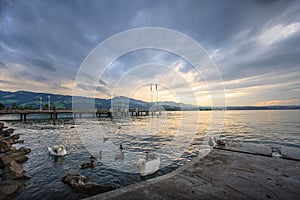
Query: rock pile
[77,183]
[11,172]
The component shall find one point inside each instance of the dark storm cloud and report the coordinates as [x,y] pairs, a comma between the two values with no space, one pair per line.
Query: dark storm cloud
[41,79]
[42,64]
[58,86]
[2,65]
[51,38]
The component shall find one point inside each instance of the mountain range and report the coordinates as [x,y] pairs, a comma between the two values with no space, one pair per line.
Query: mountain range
[27,99]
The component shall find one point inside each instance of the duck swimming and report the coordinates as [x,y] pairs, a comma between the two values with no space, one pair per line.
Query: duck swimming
[57,151]
[120,156]
[105,139]
[219,142]
[88,165]
[211,143]
[150,156]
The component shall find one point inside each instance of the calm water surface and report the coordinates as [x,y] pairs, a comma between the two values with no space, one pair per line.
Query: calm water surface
[138,135]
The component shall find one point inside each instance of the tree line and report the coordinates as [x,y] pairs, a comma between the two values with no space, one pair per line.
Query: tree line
[16,106]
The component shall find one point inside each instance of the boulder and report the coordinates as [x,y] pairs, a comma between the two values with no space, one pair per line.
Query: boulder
[4,146]
[7,132]
[76,181]
[15,137]
[10,130]
[19,141]
[8,189]
[18,156]
[24,150]
[12,171]
[13,149]
[9,140]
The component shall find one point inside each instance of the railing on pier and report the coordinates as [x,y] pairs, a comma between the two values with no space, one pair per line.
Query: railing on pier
[53,113]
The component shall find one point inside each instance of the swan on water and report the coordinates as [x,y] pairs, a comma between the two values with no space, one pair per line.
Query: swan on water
[57,151]
[147,168]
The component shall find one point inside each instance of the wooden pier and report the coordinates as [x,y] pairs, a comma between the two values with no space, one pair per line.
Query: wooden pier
[54,114]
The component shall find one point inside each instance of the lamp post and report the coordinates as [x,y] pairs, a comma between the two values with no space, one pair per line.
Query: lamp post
[41,99]
[49,102]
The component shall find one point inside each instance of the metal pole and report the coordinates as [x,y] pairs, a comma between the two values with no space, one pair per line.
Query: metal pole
[41,99]
[156,95]
[48,102]
[151,93]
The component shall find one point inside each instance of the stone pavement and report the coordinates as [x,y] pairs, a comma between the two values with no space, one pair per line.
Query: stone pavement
[220,175]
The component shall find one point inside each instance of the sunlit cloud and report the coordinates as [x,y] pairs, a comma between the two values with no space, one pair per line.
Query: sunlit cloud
[255,46]
[279,102]
[277,33]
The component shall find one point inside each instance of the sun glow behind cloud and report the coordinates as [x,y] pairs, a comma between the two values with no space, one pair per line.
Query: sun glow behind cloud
[254,44]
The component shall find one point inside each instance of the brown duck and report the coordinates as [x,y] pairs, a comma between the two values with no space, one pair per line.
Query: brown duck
[88,165]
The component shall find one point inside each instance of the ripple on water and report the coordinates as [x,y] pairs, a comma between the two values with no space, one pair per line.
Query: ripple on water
[266,128]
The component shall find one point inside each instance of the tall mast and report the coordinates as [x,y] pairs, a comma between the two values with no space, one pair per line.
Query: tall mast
[156,93]
[151,93]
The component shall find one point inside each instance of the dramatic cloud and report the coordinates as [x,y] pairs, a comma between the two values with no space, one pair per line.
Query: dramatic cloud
[255,45]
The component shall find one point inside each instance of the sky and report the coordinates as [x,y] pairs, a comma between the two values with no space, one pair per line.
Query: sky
[255,46]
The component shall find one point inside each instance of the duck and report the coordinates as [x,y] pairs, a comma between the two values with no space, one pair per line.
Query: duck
[276,152]
[150,156]
[121,147]
[57,151]
[219,142]
[211,143]
[119,156]
[88,165]
[93,157]
[147,168]
[100,154]
[105,139]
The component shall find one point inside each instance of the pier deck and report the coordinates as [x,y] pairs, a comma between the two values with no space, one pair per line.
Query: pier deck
[220,175]
[54,113]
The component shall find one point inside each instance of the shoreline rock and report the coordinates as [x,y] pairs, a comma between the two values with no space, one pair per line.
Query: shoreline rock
[11,172]
[76,182]
[9,189]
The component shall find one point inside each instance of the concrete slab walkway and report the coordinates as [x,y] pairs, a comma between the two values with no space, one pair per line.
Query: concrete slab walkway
[220,175]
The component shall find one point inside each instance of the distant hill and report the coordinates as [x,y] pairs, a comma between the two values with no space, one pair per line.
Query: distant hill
[26,99]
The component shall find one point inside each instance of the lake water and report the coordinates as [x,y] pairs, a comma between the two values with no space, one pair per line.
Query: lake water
[175,137]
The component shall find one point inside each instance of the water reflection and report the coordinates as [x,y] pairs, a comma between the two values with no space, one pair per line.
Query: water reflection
[274,128]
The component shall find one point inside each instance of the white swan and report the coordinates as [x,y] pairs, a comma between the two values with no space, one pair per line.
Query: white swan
[147,168]
[57,150]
